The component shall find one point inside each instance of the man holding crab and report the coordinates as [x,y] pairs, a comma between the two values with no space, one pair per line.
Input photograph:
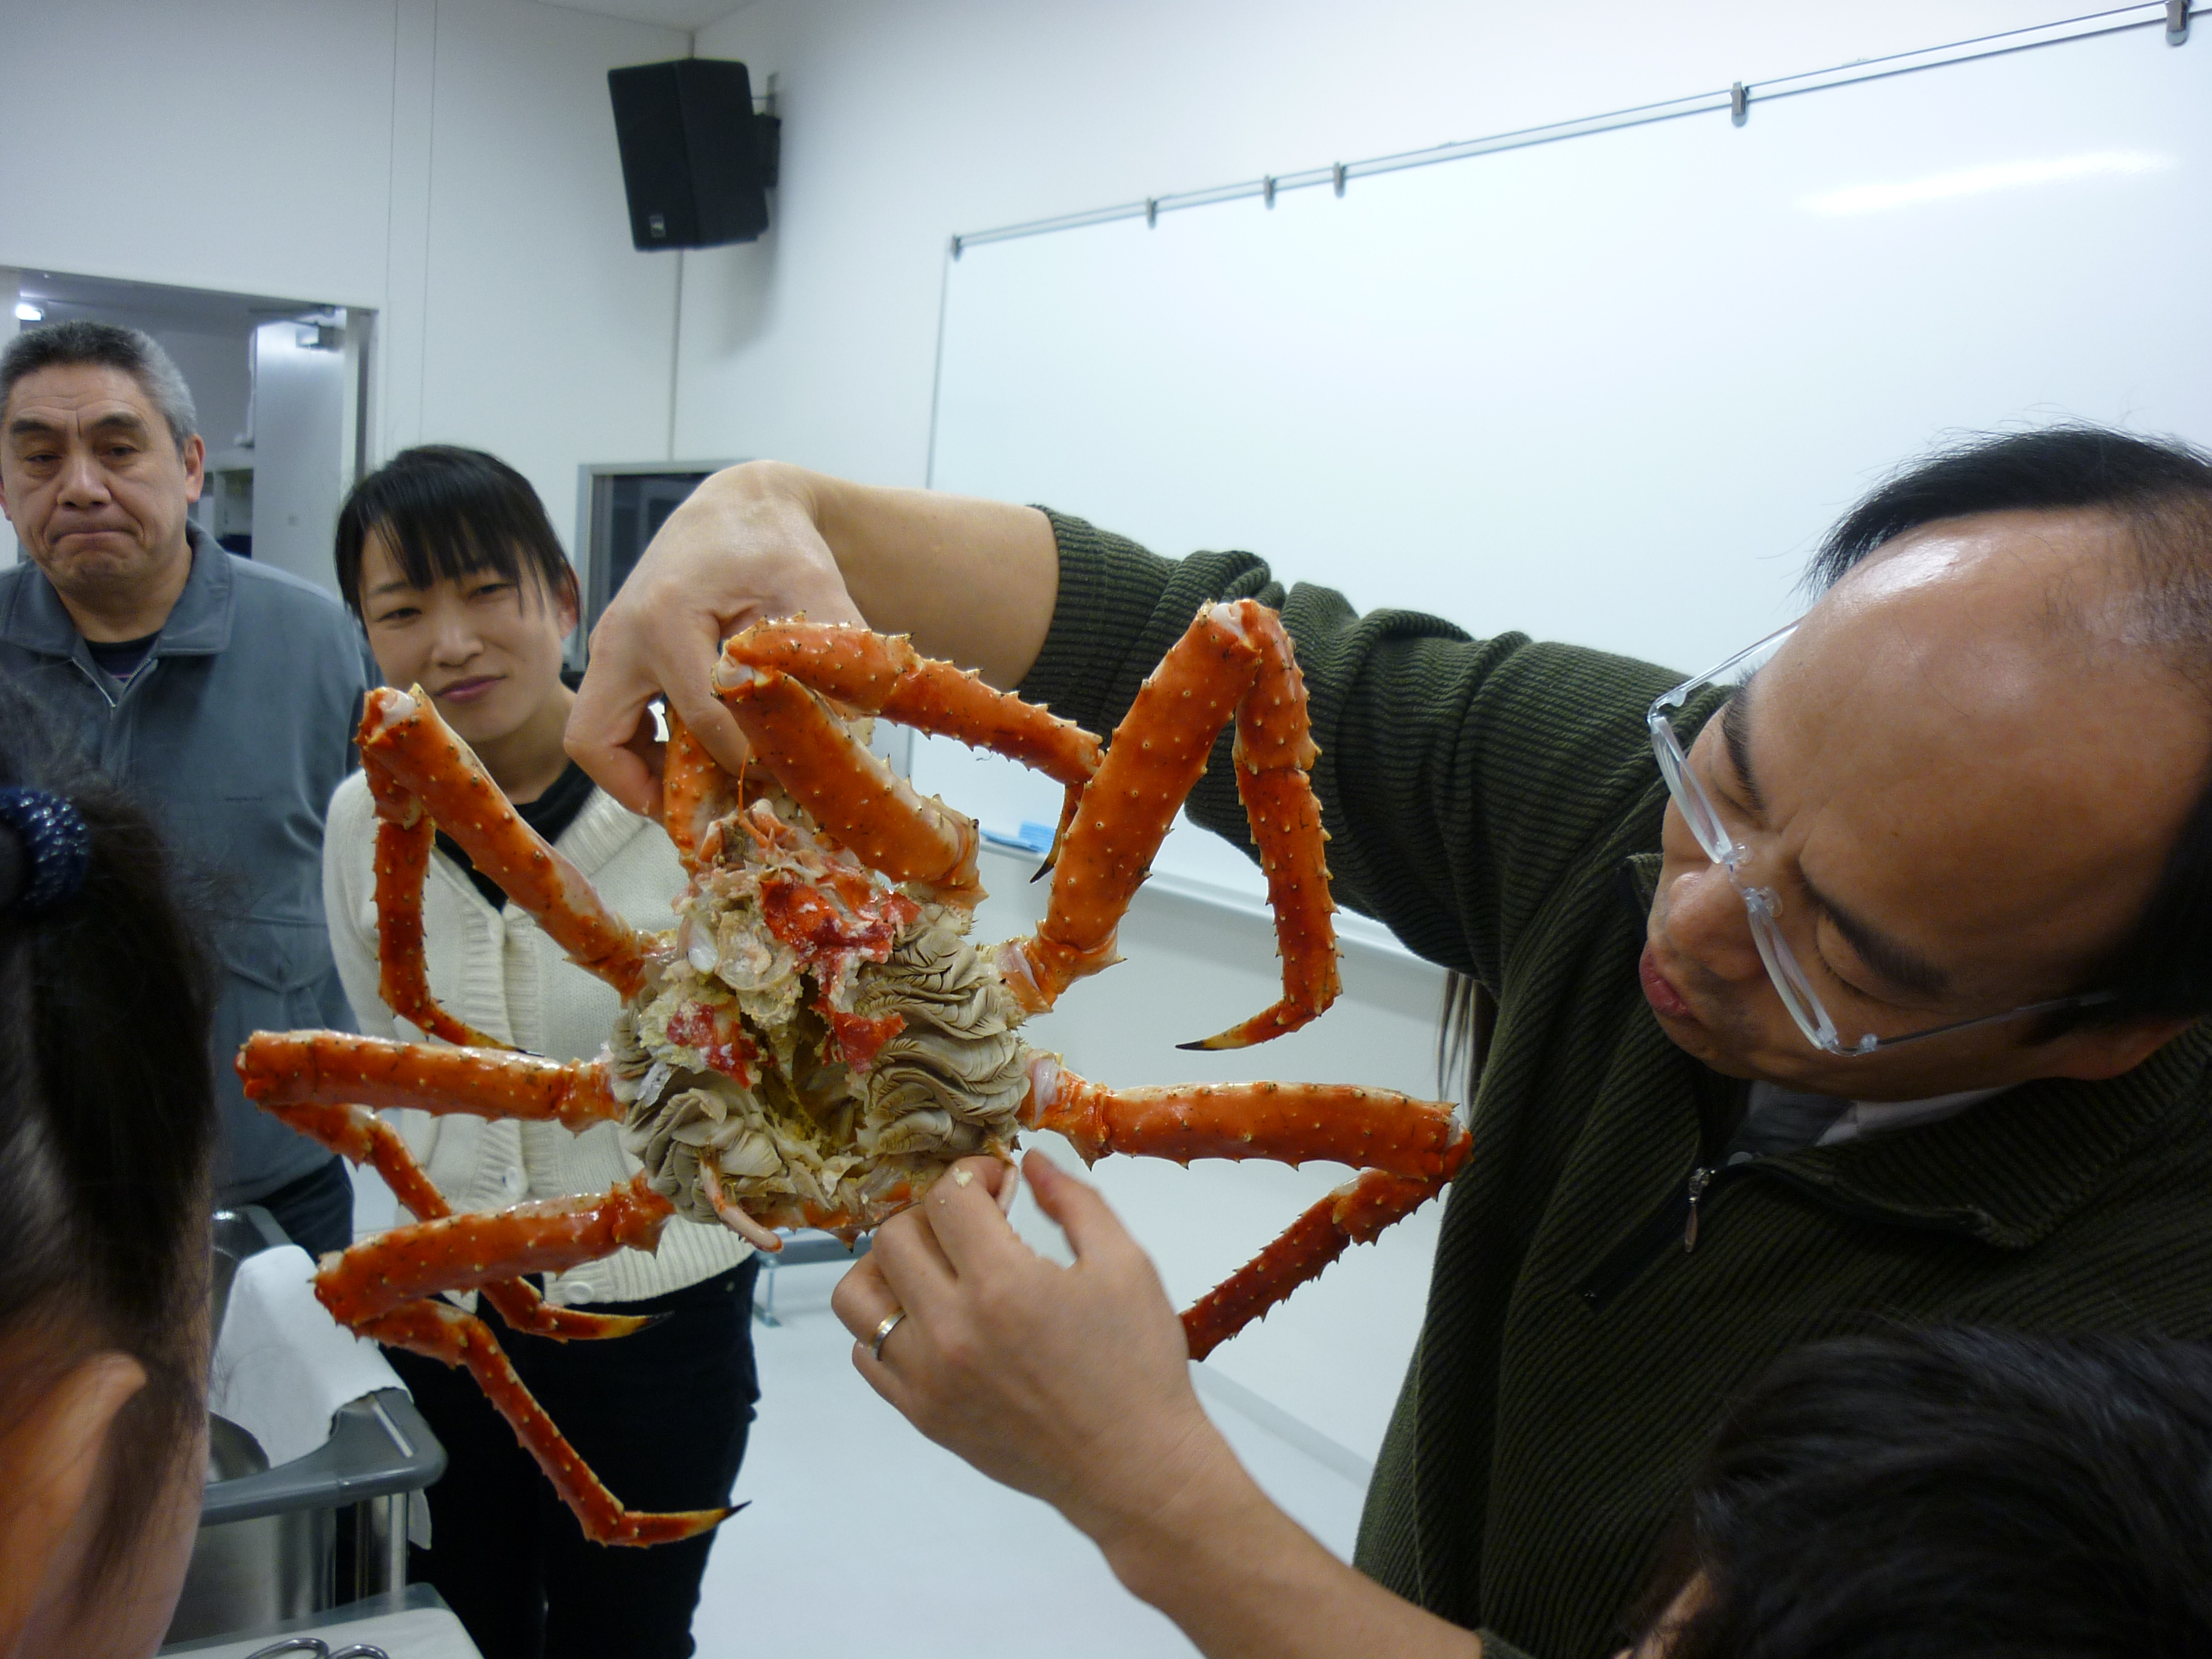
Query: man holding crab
[1922,926]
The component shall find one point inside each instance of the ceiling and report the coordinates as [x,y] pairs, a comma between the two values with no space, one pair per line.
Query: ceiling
[670,13]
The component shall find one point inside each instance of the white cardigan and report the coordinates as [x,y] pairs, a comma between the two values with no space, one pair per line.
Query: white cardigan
[498,971]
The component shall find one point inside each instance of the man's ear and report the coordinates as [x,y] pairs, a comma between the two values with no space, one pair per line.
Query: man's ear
[50,1490]
[194,459]
[2093,1053]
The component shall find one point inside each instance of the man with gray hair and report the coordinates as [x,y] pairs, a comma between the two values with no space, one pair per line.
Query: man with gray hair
[222,692]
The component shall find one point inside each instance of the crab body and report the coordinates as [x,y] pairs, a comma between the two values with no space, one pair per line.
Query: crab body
[817,1038]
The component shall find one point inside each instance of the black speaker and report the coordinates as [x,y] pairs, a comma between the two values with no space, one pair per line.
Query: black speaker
[696,161]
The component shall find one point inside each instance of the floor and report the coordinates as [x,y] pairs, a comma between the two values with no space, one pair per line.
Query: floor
[862,1534]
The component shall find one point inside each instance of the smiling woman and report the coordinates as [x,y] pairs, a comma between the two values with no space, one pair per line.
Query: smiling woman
[448,558]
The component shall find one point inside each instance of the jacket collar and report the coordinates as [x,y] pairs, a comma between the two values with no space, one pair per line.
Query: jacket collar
[2009,1171]
[198,623]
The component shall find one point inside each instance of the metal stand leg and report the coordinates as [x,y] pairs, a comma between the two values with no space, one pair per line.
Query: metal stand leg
[380,1562]
[764,1303]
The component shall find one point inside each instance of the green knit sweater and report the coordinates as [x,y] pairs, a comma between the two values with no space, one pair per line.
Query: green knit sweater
[1496,804]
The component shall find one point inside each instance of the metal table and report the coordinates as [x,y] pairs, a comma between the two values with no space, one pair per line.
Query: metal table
[269,1539]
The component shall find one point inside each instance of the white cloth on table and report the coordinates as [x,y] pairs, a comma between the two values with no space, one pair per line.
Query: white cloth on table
[283,1366]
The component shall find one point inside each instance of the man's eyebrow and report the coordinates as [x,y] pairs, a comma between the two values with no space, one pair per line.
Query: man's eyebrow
[122,417]
[30,426]
[397,584]
[1897,964]
[1736,720]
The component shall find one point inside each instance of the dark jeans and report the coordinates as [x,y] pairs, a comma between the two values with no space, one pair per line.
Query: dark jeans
[661,1417]
[316,1210]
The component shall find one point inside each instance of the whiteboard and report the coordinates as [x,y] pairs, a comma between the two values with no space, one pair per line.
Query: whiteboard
[1610,390]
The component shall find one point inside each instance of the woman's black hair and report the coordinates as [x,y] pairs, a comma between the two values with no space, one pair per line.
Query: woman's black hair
[1955,1493]
[107,1121]
[447,512]
[2160,491]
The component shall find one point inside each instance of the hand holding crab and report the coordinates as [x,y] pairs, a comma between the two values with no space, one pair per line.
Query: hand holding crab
[817,1040]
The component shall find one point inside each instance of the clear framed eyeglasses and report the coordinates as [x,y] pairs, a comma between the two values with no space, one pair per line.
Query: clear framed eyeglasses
[1762,904]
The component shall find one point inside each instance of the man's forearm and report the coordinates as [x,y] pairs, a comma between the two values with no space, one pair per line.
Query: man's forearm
[972,580]
[1244,1581]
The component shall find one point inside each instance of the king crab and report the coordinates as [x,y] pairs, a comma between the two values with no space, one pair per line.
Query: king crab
[816,1039]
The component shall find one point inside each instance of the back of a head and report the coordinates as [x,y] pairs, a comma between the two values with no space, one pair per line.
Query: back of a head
[445,511]
[106,1119]
[105,345]
[2160,491]
[1960,1494]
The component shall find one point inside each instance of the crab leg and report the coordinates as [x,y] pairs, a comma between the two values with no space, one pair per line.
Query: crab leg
[883,674]
[359,1135]
[848,789]
[1234,661]
[404,733]
[694,791]
[1284,1122]
[1406,1150]
[283,1068]
[404,835]
[441,1332]
[464,1252]
[1355,1213]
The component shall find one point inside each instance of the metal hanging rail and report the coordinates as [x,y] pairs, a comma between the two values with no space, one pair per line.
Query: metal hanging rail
[1736,99]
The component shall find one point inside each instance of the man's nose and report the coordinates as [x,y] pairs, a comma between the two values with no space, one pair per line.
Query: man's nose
[1706,920]
[83,482]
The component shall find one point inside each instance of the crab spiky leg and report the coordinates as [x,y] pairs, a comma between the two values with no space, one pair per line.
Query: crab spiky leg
[1406,1149]
[883,674]
[403,734]
[438,1331]
[467,1251]
[694,791]
[360,1136]
[1283,1123]
[404,836]
[1355,1213]
[283,1068]
[849,790]
[1234,661]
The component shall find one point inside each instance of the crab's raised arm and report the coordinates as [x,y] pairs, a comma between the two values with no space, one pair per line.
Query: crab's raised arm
[769,676]
[410,752]
[1234,662]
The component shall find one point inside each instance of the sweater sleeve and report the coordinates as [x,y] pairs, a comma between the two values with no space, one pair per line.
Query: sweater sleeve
[1459,778]
[349,871]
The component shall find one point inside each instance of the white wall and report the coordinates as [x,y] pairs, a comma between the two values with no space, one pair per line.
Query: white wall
[904,124]
[449,163]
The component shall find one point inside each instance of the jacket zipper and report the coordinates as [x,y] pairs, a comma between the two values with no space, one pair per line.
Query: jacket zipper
[105,696]
[1701,1178]
[1676,1224]
[1679,1217]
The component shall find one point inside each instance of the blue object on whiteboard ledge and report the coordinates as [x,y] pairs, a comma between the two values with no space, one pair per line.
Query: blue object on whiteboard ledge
[1030,838]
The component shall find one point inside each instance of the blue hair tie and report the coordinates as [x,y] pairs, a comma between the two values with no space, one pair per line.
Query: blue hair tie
[57,849]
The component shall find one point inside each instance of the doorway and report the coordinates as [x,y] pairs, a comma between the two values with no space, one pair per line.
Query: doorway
[280,386]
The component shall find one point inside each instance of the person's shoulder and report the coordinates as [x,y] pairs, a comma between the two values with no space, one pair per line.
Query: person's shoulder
[275,586]
[350,803]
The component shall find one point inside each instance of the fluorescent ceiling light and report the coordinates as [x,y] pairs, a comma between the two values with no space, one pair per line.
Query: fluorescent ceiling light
[1973,181]
[27,313]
